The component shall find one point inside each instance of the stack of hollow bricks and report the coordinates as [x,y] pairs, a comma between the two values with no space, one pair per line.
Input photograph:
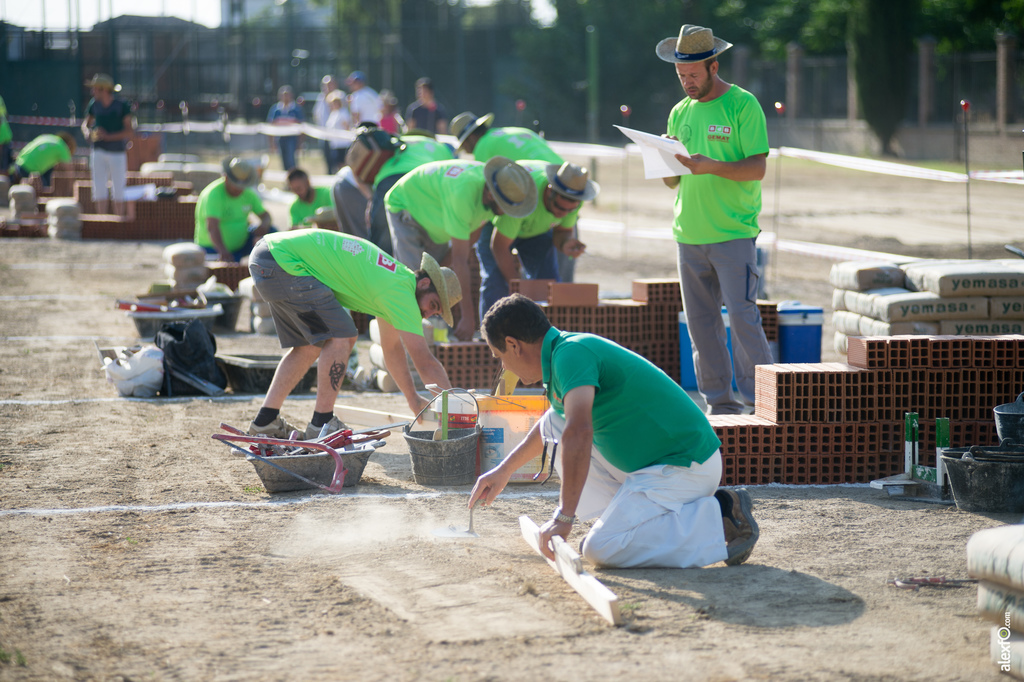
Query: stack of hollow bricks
[843,423]
[648,325]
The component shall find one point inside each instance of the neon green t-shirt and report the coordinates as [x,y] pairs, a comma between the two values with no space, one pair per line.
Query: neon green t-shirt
[445,197]
[362,277]
[233,213]
[300,210]
[6,134]
[541,220]
[418,151]
[514,143]
[641,417]
[710,209]
[43,153]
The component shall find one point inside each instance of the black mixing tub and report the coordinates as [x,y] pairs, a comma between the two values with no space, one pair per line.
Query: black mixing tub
[987,479]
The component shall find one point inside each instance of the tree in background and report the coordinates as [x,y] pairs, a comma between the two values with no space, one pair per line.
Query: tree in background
[882,42]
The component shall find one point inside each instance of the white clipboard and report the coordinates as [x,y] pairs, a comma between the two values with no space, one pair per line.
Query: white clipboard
[658,154]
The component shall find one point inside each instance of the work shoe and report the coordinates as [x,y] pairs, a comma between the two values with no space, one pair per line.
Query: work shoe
[278,428]
[335,425]
[741,531]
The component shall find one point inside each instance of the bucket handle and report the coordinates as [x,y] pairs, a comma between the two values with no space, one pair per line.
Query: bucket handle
[1020,398]
[408,426]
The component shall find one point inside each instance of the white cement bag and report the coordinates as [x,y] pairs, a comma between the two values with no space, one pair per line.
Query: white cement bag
[263,325]
[374,331]
[847,322]
[195,273]
[981,327]
[185,255]
[861,276]
[997,555]
[863,302]
[872,327]
[1006,307]
[61,208]
[925,305]
[140,374]
[839,299]
[839,342]
[966,278]
[1001,604]
[261,308]
[377,356]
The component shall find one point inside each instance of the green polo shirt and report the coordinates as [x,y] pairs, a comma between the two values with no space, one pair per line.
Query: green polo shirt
[418,151]
[300,210]
[516,144]
[362,277]
[43,153]
[541,220]
[233,213]
[444,197]
[641,417]
[710,209]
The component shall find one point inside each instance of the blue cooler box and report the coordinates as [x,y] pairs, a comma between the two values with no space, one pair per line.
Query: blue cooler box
[687,374]
[800,332]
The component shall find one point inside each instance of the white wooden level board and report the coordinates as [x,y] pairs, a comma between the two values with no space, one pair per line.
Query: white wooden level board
[364,417]
[568,564]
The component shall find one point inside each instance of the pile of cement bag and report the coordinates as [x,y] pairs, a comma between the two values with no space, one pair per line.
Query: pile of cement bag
[22,200]
[996,558]
[185,265]
[262,322]
[932,297]
[64,219]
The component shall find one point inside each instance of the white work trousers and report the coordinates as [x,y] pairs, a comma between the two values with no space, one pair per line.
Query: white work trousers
[660,516]
[109,167]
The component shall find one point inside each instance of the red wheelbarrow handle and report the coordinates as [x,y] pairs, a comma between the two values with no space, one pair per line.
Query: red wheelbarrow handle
[337,481]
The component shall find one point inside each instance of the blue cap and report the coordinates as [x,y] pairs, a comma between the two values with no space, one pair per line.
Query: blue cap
[357,76]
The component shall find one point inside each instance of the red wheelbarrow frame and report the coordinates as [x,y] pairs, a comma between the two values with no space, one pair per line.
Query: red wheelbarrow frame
[337,480]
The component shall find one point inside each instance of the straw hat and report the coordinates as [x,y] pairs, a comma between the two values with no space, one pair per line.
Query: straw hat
[571,181]
[101,80]
[463,125]
[694,44]
[449,291]
[240,172]
[512,186]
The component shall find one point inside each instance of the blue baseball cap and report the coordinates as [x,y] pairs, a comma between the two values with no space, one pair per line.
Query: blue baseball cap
[357,76]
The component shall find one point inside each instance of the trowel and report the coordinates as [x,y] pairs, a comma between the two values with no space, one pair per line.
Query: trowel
[453,532]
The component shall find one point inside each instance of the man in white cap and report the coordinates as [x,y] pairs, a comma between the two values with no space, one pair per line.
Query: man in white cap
[363,101]
[537,238]
[629,445]
[310,277]
[223,211]
[439,208]
[716,211]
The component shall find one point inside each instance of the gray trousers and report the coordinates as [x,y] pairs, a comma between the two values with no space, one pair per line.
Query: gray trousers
[349,205]
[711,275]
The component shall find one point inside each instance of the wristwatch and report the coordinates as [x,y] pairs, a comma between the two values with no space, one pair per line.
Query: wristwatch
[562,518]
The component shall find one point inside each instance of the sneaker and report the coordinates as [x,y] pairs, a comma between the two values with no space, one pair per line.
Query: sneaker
[278,428]
[741,531]
[335,425]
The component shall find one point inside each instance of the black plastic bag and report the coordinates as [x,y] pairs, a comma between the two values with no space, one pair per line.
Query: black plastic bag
[190,364]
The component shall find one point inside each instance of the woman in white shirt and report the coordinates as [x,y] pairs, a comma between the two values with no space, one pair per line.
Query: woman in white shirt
[339,118]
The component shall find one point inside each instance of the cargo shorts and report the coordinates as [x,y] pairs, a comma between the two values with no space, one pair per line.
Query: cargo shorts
[305,310]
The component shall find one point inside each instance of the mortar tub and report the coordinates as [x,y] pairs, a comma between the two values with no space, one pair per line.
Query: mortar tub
[1010,420]
[444,462]
[986,479]
[318,466]
[253,373]
[149,323]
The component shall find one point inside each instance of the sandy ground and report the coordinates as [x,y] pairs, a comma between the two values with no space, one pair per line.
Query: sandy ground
[135,547]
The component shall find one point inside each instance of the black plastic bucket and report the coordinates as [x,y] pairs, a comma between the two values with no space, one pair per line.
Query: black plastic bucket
[444,462]
[986,479]
[1010,420]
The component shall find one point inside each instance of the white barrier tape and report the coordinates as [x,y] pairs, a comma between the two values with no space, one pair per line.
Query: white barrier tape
[313,497]
[872,166]
[55,297]
[837,253]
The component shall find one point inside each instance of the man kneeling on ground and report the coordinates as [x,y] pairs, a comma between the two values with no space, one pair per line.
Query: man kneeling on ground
[309,278]
[633,449]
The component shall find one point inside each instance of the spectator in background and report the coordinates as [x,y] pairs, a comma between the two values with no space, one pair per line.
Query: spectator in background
[108,125]
[223,210]
[339,119]
[6,135]
[390,119]
[286,112]
[426,113]
[307,198]
[321,110]
[363,102]
[42,155]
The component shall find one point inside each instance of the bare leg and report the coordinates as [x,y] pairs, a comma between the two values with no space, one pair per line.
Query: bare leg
[102,206]
[330,372]
[292,368]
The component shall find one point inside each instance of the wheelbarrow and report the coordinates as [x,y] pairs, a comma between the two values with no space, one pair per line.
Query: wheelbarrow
[302,460]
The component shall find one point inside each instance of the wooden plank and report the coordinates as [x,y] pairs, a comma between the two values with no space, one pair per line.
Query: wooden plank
[568,564]
[366,417]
